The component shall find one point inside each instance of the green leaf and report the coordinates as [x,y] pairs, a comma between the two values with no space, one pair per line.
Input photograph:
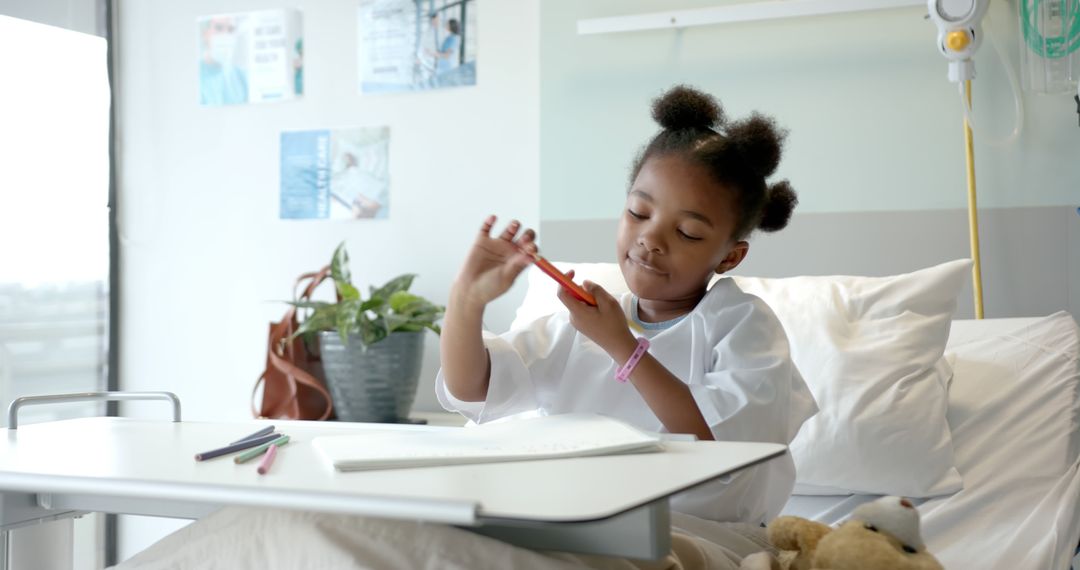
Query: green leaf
[347,318]
[400,301]
[371,330]
[339,265]
[339,270]
[317,305]
[320,320]
[347,291]
[399,283]
[373,304]
[394,322]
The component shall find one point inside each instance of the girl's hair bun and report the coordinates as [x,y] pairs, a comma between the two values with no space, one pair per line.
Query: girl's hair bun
[780,201]
[759,141]
[684,107]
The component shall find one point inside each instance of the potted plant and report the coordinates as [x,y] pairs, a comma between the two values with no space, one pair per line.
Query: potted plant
[371,348]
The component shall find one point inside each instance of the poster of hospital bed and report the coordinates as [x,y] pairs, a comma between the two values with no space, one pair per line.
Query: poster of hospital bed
[1013,404]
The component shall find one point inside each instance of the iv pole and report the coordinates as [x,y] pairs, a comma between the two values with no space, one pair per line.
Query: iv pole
[973,210]
[958,37]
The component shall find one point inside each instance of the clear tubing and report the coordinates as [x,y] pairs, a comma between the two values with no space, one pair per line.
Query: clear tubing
[1014,85]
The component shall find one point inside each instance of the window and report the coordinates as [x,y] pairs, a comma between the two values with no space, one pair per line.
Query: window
[54,184]
[54,232]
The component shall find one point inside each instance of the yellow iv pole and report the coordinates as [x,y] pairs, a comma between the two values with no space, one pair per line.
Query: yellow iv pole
[973,212]
[958,37]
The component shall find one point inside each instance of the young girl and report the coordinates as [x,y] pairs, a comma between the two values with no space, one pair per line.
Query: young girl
[716,361]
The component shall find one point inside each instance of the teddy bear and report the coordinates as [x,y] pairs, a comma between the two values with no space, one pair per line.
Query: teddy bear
[880,535]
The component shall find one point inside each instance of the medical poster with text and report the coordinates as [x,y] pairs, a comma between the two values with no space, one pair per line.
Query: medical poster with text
[250,57]
[405,45]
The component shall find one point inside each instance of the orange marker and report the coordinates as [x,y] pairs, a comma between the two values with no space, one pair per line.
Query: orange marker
[576,290]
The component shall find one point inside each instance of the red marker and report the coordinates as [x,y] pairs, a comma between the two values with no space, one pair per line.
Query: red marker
[576,290]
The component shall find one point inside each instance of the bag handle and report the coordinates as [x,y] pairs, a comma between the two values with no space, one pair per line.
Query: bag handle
[316,277]
[295,375]
[279,343]
[278,332]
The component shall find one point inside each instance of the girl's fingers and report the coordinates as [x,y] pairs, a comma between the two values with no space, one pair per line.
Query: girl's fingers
[527,237]
[567,299]
[528,242]
[510,231]
[599,293]
[485,229]
[570,274]
[518,262]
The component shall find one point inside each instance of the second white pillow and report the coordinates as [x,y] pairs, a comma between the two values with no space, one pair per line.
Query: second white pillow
[870,349]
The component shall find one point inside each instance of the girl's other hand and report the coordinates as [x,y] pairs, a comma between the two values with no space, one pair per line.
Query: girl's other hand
[493,263]
[605,323]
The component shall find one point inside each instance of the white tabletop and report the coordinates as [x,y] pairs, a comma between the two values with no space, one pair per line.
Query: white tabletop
[128,458]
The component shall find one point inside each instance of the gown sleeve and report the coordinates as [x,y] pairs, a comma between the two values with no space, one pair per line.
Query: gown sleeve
[523,361]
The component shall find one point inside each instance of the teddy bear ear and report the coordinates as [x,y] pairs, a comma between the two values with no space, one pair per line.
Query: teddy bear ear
[894,515]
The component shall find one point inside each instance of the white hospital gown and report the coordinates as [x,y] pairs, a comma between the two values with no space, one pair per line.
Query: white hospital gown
[732,352]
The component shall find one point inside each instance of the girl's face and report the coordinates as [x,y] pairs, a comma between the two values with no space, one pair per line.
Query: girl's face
[676,231]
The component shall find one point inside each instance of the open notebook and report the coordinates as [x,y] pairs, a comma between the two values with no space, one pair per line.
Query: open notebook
[549,437]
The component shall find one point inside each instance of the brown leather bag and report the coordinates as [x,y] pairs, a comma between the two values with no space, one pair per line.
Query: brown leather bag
[293,386]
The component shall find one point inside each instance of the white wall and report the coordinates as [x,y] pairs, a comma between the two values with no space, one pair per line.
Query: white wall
[204,257]
[875,125]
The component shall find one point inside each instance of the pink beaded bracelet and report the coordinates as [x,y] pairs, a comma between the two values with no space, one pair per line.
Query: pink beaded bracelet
[624,371]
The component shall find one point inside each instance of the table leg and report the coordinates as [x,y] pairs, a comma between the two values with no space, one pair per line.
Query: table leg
[45,546]
[642,533]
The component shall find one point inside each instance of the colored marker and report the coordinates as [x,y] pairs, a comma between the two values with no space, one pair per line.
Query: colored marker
[576,290]
[253,453]
[264,431]
[239,446]
[268,460]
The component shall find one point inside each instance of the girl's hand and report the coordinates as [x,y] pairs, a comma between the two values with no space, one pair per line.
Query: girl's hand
[605,323]
[493,263]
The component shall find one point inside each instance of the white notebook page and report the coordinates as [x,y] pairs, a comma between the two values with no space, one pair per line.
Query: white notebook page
[566,435]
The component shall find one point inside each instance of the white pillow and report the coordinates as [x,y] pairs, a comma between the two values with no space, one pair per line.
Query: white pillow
[870,349]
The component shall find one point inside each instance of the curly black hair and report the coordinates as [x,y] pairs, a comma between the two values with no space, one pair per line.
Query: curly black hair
[740,155]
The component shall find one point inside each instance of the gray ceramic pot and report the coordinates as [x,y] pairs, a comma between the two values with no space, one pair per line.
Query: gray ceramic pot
[377,384]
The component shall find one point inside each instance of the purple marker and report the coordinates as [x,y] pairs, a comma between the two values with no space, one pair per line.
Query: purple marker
[245,444]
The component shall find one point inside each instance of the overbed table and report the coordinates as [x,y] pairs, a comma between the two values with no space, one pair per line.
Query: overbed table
[604,505]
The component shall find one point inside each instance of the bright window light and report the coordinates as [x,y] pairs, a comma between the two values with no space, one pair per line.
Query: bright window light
[54,163]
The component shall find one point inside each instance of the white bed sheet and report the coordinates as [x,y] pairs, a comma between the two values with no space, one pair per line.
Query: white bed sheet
[1019,505]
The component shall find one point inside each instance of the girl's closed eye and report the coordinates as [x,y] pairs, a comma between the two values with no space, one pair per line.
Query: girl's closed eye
[635,215]
[689,237]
